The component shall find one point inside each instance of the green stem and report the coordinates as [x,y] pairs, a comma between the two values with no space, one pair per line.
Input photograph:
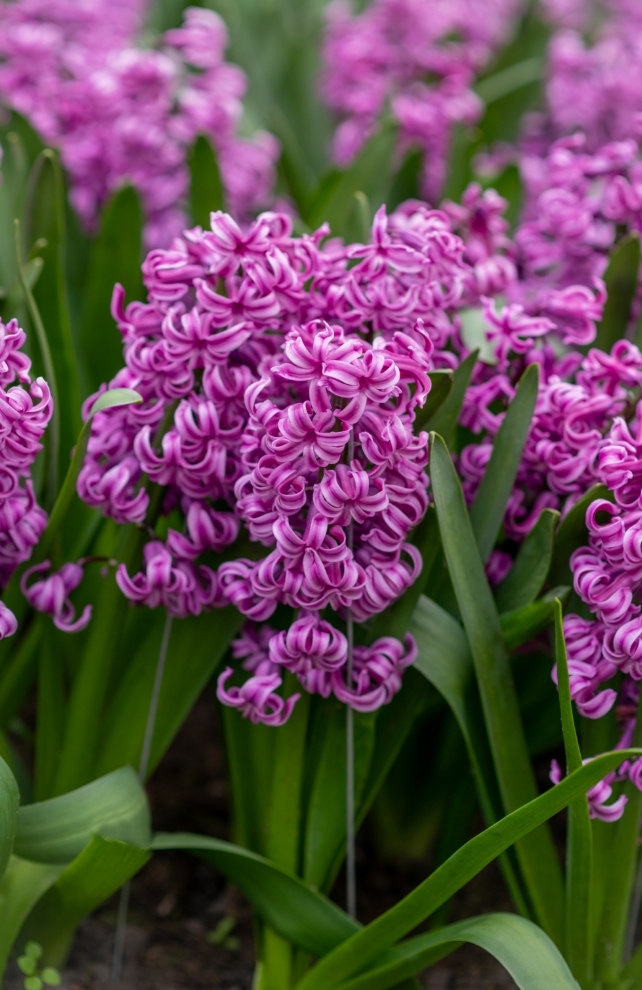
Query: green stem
[283,841]
[51,714]
[87,701]
[612,930]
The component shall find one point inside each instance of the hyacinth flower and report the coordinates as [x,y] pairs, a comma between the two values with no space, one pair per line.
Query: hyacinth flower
[121,113]
[422,61]
[239,323]
[25,411]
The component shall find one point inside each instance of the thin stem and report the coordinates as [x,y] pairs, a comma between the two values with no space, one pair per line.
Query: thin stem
[351,876]
[143,766]
[636,901]
[351,873]
[153,704]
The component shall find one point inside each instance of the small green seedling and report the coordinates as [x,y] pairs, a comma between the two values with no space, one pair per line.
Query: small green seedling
[221,935]
[36,978]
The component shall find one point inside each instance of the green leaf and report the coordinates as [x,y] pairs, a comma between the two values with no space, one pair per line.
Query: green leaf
[623,855]
[97,873]
[536,854]
[27,965]
[529,956]
[33,949]
[206,192]
[21,887]
[369,944]
[579,853]
[571,534]
[115,256]
[406,183]
[370,173]
[444,659]
[33,983]
[58,830]
[45,221]
[621,278]
[9,800]
[289,905]
[487,512]
[325,824]
[526,577]
[50,976]
[445,419]
[441,387]
[196,648]
[522,624]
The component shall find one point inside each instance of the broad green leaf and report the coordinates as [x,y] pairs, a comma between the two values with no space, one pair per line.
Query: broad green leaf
[370,173]
[284,824]
[206,193]
[102,647]
[537,855]
[21,887]
[369,944]
[623,856]
[579,852]
[571,534]
[289,905]
[509,185]
[406,183]
[621,278]
[45,221]
[115,256]
[56,831]
[196,648]
[96,873]
[15,168]
[488,509]
[632,974]
[522,624]
[527,575]
[51,711]
[441,387]
[444,659]
[445,419]
[250,762]
[325,823]
[509,80]
[9,800]
[533,961]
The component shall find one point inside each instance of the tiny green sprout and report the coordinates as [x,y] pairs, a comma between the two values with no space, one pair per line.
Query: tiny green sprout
[221,935]
[28,965]
[50,976]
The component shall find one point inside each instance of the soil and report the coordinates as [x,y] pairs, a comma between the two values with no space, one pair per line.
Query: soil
[177,902]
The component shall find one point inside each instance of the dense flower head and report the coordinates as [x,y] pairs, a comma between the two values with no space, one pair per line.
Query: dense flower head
[280,378]
[26,407]
[578,400]
[121,113]
[420,61]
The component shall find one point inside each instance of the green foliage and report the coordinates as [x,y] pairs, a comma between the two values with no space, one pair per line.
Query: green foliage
[115,256]
[206,188]
[621,278]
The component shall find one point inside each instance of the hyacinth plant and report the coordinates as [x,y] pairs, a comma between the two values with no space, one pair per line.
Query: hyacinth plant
[338,459]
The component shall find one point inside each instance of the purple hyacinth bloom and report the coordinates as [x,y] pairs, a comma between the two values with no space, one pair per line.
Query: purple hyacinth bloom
[377,674]
[598,796]
[120,113]
[256,699]
[51,595]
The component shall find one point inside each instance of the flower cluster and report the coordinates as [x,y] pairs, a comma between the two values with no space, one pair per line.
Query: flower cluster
[280,377]
[420,60]
[121,113]
[577,401]
[25,410]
